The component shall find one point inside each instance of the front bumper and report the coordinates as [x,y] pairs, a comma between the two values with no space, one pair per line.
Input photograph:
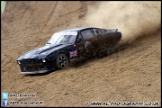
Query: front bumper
[35,72]
[34,66]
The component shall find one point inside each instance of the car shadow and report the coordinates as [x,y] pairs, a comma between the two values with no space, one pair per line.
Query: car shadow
[40,74]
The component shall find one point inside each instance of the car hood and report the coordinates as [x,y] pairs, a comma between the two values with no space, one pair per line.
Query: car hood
[43,51]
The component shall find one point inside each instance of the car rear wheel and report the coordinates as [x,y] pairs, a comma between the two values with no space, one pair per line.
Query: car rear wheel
[62,61]
[102,52]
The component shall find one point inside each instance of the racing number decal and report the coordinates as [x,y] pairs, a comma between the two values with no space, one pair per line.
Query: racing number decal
[73,54]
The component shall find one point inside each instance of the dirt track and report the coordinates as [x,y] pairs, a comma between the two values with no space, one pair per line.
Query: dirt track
[132,74]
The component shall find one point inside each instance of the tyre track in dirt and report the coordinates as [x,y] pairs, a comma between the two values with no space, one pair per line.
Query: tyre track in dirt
[52,12]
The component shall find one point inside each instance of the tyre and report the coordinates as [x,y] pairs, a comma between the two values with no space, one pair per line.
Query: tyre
[111,50]
[62,61]
[102,52]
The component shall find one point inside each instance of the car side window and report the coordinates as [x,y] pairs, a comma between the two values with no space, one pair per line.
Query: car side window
[103,31]
[96,32]
[87,34]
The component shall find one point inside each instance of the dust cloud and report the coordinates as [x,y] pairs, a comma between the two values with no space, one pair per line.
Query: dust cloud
[133,19]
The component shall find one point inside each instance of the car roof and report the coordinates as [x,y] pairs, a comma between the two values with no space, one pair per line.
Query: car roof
[75,29]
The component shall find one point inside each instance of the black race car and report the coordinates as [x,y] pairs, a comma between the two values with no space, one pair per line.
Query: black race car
[68,45]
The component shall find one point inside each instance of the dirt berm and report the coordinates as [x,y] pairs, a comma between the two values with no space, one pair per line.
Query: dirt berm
[129,75]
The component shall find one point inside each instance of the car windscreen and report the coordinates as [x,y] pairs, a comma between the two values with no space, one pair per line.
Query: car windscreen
[62,38]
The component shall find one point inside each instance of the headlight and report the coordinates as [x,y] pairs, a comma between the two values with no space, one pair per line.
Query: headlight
[18,62]
[43,60]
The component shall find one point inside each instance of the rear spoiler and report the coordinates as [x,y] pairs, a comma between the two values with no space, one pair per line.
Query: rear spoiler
[112,30]
[115,30]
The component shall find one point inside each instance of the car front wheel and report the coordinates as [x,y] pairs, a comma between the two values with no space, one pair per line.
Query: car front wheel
[62,61]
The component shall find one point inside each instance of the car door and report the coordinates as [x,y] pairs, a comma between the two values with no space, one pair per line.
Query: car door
[79,44]
[87,34]
[89,42]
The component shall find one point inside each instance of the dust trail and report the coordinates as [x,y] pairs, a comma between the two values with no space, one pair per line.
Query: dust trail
[133,19]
